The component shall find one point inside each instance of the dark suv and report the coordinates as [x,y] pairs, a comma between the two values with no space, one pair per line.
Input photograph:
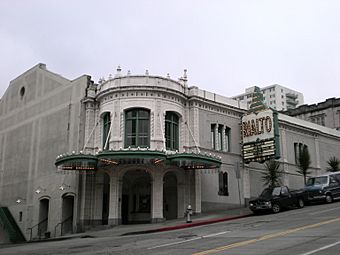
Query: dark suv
[325,187]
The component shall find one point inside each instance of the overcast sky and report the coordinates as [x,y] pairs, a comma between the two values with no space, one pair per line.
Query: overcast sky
[226,46]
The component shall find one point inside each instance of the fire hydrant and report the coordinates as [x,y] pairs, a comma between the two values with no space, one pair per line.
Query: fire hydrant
[188,213]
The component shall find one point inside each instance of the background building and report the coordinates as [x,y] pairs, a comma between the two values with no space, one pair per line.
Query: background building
[326,113]
[275,96]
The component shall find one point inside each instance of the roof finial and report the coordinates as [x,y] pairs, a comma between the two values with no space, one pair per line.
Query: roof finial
[129,72]
[185,77]
[101,80]
[147,72]
[118,73]
[168,75]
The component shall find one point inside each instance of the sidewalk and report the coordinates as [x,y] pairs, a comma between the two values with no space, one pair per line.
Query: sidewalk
[197,220]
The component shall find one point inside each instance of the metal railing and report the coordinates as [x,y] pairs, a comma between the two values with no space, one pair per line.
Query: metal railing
[42,225]
[62,226]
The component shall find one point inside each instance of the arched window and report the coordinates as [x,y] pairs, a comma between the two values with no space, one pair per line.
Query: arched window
[137,128]
[106,130]
[171,131]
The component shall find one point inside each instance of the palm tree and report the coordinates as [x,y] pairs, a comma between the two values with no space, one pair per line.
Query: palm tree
[334,164]
[304,163]
[272,176]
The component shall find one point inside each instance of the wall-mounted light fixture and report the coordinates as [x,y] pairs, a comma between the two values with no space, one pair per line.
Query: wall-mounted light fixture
[20,200]
[64,186]
[39,190]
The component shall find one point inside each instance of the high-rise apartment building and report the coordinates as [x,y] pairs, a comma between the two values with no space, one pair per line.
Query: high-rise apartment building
[275,96]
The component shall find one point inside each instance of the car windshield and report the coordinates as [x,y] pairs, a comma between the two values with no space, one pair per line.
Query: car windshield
[316,181]
[271,192]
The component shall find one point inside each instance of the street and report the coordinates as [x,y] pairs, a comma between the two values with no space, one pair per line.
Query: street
[311,230]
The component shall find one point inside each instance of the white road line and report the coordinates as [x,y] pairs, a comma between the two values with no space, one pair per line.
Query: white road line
[327,210]
[321,249]
[216,234]
[188,240]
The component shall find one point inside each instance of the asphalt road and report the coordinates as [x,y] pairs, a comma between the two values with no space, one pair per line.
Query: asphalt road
[312,230]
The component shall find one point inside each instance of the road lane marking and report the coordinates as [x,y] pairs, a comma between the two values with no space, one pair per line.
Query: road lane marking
[266,237]
[216,234]
[318,212]
[321,248]
[188,240]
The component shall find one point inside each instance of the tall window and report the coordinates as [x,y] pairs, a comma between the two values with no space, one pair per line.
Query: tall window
[220,138]
[171,131]
[137,128]
[227,139]
[298,148]
[106,130]
[223,184]
[213,136]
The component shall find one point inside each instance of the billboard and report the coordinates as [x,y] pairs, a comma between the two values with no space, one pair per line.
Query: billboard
[260,136]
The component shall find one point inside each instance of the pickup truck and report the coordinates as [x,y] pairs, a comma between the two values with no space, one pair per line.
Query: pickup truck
[276,198]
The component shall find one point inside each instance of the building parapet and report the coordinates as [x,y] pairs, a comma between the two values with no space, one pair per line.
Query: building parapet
[142,81]
[309,125]
[302,109]
[195,91]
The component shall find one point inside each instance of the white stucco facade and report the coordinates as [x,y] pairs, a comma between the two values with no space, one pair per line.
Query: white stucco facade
[159,146]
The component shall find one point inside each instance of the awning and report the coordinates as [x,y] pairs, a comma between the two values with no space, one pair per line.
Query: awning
[79,161]
[123,157]
[194,161]
[111,158]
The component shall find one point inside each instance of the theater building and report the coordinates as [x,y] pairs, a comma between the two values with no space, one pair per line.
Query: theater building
[134,149]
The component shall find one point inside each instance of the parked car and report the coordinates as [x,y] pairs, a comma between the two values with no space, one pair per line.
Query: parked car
[276,198]
[325,187]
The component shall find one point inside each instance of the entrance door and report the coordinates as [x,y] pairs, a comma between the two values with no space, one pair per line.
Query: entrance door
[43,217]
[67,215]
[125,209]
[106,199]
[136,197]
[170,196]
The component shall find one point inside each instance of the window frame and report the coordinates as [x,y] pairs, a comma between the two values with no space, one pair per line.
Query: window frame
[171,128]
[106,130]
[136,122]
[213,136]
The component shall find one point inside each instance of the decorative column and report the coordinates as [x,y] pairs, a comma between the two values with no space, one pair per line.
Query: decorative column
[198,193]
[317,154]
[217,142]
[157,197]
[82,194]
[223,148]
[114,207]
[98,200]
[284,155]
[246,185]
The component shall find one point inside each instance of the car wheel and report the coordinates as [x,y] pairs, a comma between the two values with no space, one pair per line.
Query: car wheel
[300,203]
[329,198]
[276,208]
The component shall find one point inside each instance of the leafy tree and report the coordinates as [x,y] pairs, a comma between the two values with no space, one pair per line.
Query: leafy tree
[304,163]
[272,176]
[334,164]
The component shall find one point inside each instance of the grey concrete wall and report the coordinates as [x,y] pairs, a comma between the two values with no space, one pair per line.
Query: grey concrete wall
[34,128]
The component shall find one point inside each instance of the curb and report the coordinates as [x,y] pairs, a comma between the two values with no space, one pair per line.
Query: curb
[187,225]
